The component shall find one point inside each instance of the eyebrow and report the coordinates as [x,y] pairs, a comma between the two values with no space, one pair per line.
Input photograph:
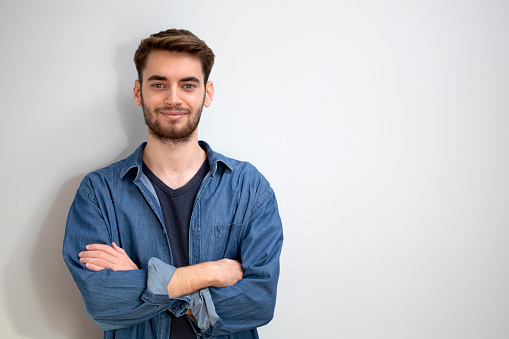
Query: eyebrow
[192,79]
[156,77]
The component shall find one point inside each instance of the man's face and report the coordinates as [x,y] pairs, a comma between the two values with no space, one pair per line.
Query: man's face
[172,95]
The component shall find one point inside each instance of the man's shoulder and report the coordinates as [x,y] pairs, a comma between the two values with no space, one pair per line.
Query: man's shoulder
[115,171]
[240,167]
[230,166]
[108,172]
[103,178]
[244,174]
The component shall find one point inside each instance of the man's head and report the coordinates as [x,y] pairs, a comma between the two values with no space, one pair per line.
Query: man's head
[173,68]
[175,40]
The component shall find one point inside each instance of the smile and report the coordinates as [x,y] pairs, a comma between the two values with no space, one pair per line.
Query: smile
[173,115]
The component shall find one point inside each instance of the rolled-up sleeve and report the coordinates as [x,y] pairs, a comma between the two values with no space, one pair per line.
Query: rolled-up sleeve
[251,302]
[114,299]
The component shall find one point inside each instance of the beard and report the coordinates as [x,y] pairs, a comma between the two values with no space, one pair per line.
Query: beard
[171,133]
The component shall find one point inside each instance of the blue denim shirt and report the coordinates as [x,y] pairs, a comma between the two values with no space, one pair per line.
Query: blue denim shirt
[235,216]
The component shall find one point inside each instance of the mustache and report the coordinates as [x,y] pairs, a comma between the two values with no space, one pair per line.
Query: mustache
[173,108]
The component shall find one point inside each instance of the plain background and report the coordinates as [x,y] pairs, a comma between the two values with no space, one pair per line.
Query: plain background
[383,127]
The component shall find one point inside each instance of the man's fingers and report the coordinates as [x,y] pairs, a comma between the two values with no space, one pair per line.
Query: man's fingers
[102,248]
[116,248]
[95,262]
[230,272]
[93,267]
[97,254]
[105,256]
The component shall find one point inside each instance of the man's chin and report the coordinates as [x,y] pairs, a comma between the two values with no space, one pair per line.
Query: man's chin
[172,137]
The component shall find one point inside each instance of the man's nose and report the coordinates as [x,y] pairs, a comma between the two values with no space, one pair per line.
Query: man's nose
[173,97]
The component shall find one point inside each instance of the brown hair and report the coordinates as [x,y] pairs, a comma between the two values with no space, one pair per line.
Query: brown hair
[174,40]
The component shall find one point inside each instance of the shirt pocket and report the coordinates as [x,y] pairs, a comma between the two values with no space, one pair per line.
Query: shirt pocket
[226,241]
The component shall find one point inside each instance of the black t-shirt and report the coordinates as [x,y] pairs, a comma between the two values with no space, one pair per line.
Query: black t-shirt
[177,206]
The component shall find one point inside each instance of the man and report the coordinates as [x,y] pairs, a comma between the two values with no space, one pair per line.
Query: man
[175,241]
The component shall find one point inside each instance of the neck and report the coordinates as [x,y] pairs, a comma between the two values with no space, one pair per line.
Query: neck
[174,163]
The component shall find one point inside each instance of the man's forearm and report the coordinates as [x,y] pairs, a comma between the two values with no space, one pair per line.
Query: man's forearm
[188,279]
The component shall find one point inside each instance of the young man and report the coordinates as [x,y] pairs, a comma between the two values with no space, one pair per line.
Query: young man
[175,241]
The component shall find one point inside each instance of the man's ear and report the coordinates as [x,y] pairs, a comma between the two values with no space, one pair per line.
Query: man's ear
[137,92]
[209,94]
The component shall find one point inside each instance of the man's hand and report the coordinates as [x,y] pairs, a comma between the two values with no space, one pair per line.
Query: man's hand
[227,272]
[220,273]
[98,257]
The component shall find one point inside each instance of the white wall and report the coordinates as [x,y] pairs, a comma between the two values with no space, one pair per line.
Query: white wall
[382,125]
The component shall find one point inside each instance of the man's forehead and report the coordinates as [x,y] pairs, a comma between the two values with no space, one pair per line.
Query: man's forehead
[172,64]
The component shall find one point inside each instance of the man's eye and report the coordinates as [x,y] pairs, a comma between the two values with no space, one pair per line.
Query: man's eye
[157,85]
[189,86]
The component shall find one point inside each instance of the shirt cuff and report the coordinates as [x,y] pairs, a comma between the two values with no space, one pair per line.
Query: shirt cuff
[158,277]
[204,311]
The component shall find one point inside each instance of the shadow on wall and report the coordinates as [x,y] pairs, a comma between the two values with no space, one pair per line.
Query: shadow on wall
[131,115]
[58,307]
[52,306]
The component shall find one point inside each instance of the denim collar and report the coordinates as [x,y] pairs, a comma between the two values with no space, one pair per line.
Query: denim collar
[135,160]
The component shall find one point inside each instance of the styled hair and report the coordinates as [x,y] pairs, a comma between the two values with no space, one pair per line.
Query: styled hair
[174,40]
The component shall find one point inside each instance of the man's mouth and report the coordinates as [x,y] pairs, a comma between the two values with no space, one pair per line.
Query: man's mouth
[173,113]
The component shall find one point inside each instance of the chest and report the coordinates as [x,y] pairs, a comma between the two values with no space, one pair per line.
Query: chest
[215,227]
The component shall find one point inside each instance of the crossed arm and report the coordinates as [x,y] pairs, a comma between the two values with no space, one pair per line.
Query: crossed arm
[185,280]
[124,295]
